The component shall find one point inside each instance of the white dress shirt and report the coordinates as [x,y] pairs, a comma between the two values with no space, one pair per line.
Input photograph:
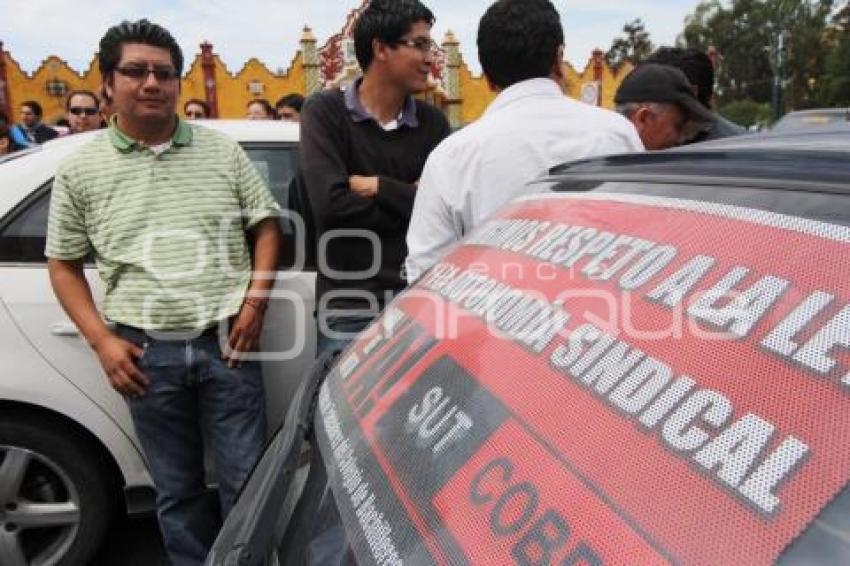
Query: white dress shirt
[529,128]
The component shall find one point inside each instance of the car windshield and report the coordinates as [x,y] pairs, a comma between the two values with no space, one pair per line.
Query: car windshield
[639,373]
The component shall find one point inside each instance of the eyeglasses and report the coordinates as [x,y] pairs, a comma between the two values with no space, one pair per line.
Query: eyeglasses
[139,72]
[80,110]
[424,45]
[194,114]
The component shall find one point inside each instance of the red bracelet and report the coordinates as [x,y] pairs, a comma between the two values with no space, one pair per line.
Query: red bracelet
[257,303]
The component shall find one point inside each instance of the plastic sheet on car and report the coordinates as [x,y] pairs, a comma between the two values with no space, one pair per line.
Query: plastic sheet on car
[601,378]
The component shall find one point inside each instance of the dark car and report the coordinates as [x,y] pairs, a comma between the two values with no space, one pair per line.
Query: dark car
[814,118]
[648,365]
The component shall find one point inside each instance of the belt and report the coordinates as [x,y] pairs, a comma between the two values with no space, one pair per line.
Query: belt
[140,333]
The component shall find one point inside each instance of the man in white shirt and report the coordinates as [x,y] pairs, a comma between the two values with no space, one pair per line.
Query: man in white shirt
[529,128]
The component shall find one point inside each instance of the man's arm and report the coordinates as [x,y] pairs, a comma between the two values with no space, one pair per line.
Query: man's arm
[245,332]
[116,355]
[397,196]
[393,194]
[324,164]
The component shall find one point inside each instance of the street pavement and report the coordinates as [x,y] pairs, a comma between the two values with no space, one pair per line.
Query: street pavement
[132,542]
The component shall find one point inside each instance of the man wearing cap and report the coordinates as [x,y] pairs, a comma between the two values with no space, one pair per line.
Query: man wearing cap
[662,105]
[699,69]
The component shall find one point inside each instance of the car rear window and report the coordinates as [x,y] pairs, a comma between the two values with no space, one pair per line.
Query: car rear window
[604,378]
[809,204]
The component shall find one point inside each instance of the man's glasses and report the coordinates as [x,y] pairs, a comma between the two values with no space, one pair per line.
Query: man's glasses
[80,110]
[194,114]
[424,45]
[139,72]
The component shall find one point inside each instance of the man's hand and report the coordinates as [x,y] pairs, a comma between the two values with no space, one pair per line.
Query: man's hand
[364,186]
[117,356]
[245,333]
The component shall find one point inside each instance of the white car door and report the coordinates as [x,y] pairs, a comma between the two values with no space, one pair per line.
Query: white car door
[27,295]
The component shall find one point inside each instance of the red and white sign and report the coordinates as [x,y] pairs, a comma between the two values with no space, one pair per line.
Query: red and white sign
[605,379]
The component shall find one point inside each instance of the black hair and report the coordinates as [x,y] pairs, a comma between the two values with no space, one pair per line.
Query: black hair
[293,100]
[519,40]
[387,21]
[696,65]
[200,103]
[88,93]
[34,106]
[141,31]
[265,104]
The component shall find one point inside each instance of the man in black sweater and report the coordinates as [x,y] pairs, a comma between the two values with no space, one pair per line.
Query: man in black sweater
[362,152]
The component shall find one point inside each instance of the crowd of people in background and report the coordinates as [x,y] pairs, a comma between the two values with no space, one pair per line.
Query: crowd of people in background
[668,99]
[86,111]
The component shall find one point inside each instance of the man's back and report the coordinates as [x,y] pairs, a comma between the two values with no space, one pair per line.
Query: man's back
[528,129]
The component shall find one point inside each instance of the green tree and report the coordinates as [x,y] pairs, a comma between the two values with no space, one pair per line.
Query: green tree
[806,55]
[746,112]
[833,87]
[747,35]
[634,46]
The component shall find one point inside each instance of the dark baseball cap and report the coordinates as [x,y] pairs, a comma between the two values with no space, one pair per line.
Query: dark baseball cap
[653,82]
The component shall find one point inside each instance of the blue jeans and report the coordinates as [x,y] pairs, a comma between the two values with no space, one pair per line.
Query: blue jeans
[346,327]
[194,400]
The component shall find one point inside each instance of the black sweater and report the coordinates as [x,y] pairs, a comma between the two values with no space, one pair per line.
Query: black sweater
[334,146]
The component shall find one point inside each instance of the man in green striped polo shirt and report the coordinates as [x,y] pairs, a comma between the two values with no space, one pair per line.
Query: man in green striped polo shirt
[185,236]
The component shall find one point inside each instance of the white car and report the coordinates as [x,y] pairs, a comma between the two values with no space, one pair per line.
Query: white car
[68,453]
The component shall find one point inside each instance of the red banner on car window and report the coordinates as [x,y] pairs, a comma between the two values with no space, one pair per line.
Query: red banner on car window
[601,379]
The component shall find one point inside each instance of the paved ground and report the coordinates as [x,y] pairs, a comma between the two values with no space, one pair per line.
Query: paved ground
[132,542]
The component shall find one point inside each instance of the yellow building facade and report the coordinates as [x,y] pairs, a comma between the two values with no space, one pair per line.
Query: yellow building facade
[454,88]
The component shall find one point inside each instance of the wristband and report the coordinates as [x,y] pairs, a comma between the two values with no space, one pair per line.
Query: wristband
[259,304]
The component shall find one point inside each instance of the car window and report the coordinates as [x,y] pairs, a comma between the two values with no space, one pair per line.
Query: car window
[22,234]
[277,165]
[822,207]
[23,231]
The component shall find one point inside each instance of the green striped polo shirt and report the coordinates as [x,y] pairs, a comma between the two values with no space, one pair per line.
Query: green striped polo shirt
[167,229]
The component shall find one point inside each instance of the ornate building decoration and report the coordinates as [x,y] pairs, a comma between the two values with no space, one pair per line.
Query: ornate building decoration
[338,64]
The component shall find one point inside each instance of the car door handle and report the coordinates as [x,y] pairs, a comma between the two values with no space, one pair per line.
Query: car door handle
[64,329]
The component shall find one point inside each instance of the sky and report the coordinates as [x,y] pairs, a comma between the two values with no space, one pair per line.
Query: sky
[31,30]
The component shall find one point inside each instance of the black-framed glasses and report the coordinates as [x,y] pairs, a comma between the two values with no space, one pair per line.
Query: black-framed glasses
[80,110]
[424,45]
[140,72]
